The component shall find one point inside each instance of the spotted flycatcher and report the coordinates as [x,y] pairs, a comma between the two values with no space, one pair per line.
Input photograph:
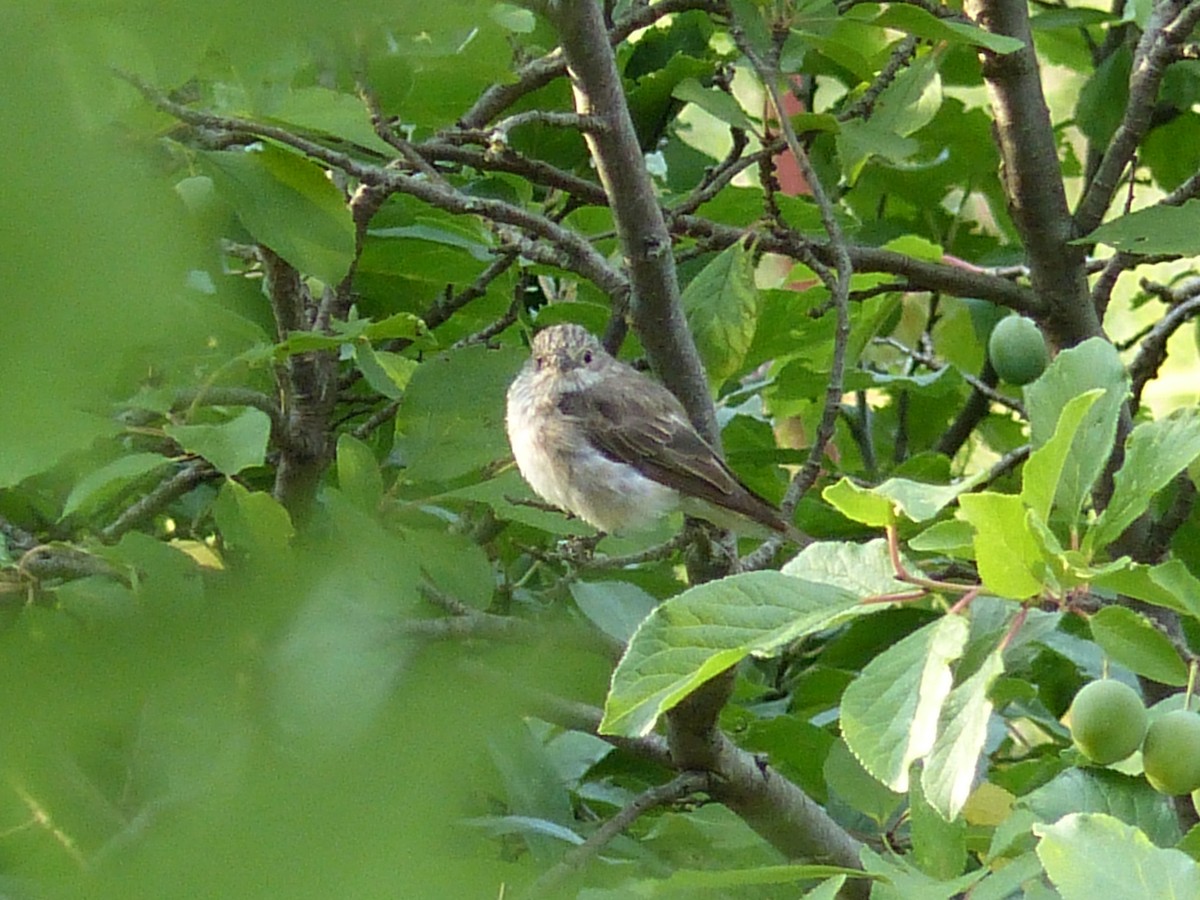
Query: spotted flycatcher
[597,438]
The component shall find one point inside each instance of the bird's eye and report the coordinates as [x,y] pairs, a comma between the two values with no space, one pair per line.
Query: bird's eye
[587,357]
[539,363]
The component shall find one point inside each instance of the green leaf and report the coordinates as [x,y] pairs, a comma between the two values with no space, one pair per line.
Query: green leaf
[1090,855]
[358,473]
[98,487]
[1098,790]
[1009,557]
[858,141]
[387,373]
[845,776]
[860,504]
[916,21]
[251,521]
[231,446]
[692,880]
[452,418]
[286,202]
[889,713]
[1092,364]
[401,325]
[921,502]
[912,100]
[1164,585]
[939,846]
[1154,230]
[962,729]
[330,112]
[615,607]
[1131,640]
[721,305]
[1044,467]
[1103,98]
[953,537]
[1155,453]
[863,569]
[708,628]
[717,103]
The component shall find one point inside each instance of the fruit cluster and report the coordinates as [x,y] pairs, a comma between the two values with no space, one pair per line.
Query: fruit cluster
[1109,722]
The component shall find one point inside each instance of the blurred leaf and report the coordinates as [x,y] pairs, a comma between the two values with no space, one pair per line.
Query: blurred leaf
[1168,584]
[230,446]
[615,607]
[1131,640]
[708,628]
[1093,855]
[1103,99]
[939,847]
[287,204]
[912,100]
[330,112]
[721,304]
[251,521]
[1098,790]
[387,373]
[98,487]
[452,418]
[358,473]
[889,713]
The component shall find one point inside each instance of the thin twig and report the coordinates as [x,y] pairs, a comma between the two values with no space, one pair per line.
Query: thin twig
[192,475]
[678,788]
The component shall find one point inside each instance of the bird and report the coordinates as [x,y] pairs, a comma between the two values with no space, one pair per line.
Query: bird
[597,438]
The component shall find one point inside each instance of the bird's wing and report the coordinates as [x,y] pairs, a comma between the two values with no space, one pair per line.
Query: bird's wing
[650,432]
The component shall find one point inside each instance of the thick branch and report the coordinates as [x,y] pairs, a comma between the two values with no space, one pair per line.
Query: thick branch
[1031,175]
[645,241]
[308,385]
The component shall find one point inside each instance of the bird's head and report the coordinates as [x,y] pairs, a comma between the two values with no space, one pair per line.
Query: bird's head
[563,349]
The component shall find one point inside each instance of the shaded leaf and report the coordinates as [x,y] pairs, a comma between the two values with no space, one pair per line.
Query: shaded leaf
[1154,230]
[721,305]
[287,203]
[1131,640]
[1155,453]
[97,487]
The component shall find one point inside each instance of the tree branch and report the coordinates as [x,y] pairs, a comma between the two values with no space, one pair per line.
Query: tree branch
[681,786]
[1031,175]
[645,241]
[1171,23]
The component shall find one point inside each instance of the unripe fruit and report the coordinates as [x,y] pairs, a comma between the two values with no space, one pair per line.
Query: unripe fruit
[1108,721]
[1171,754]
[1017,350]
